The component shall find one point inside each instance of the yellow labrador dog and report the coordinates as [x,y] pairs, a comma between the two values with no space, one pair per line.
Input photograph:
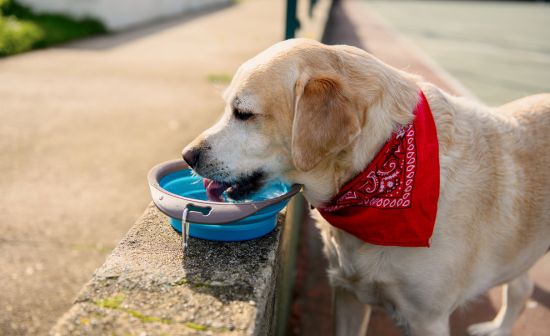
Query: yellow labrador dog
[316,115]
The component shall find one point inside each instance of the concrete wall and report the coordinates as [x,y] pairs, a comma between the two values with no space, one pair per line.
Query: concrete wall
[149,286]
[120,14]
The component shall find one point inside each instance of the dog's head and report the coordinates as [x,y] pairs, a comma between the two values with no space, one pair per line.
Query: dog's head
[292,113]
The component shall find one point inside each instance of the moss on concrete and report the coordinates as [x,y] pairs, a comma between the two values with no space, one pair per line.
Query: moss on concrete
[148,285]
[195,326]
[113,302]
[146,318]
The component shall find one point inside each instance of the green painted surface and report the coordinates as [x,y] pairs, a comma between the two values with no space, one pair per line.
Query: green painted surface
[498,50]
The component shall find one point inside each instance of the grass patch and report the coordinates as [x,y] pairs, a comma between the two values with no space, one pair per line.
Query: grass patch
[219,78]
[17,36]
[21,29]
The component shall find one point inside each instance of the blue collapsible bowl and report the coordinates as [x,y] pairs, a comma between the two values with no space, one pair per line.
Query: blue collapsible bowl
[174,187]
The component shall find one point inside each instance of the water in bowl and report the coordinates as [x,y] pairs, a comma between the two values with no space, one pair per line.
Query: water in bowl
[187,184]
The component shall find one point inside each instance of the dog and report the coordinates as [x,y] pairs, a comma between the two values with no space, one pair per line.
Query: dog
[314,114]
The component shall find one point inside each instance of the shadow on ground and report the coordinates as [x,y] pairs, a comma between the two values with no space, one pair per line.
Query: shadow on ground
[340,29]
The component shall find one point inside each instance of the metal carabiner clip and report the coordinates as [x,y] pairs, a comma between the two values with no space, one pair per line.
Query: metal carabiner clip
[184,229]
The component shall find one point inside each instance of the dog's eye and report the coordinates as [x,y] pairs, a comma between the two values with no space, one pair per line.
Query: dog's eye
[242,115]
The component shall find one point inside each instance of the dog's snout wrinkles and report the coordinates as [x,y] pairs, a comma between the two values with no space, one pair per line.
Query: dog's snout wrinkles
[191,156]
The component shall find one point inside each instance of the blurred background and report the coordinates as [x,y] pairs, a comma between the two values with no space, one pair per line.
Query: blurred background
[95,92]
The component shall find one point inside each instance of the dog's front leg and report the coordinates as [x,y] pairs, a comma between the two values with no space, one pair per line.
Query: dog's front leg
[351,317]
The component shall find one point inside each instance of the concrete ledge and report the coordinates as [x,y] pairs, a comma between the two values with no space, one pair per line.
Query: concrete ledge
[148,286]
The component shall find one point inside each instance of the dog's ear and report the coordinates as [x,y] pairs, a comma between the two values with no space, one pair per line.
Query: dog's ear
[324,121]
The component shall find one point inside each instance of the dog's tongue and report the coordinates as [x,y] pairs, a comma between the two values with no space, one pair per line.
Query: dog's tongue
[214,189]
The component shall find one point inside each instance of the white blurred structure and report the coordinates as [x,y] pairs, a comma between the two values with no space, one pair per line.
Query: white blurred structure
[120,14]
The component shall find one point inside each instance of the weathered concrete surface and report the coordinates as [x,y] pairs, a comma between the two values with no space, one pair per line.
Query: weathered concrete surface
[148,286]
[81,124]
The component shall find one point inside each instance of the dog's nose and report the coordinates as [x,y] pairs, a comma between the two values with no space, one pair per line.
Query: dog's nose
[191,156]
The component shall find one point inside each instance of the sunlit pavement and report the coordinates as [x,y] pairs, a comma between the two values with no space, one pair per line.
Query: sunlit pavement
[82,124]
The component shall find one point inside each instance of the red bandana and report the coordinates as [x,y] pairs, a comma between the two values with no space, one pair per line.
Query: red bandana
[393,201]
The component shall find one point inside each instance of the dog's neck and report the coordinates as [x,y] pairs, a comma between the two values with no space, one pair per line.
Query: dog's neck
[394,107]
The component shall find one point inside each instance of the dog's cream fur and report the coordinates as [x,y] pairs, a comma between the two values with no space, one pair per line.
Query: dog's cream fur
[320,115]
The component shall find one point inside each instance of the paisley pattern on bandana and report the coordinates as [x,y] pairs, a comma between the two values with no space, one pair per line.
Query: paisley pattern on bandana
[387,182]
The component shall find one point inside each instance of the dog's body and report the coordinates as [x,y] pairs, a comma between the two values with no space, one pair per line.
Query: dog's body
[317,115]
[493,219]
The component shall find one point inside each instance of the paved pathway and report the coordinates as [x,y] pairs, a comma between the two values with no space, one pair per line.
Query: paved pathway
[499,50]
[82,124]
